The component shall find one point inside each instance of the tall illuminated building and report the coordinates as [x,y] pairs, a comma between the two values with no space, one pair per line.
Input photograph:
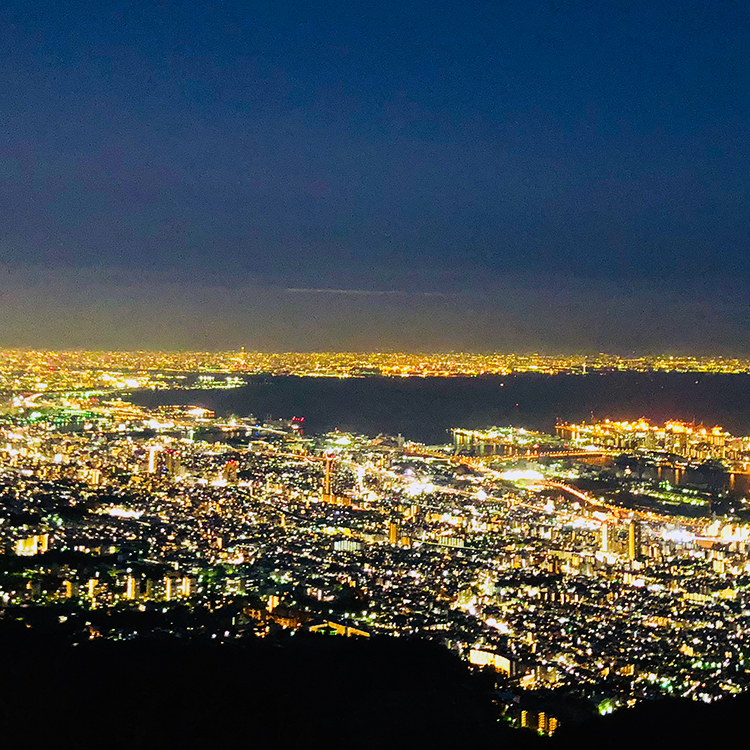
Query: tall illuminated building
[186,586]
[393,530]
[172,463]
[230,471]
[327,494]
[131,588]
[609,538]
[634,540]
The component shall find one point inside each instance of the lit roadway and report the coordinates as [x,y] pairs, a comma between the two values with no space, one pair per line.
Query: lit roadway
[696,526]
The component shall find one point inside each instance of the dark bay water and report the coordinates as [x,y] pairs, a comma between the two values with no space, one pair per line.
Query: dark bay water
[701,478]
[738,484]
[424,409]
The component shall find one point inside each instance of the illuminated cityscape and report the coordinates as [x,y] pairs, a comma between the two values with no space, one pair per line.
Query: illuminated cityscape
[672,441]
[608,563]
[28,370]
[374,375]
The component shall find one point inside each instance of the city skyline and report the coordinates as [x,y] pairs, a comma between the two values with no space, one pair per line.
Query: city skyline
[602,567]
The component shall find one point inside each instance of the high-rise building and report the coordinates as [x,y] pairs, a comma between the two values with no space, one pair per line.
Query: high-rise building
[153,452]
[393,529]
[609,538]
[327,493]
[634,540]
[131,588]
[230,471]
[172,463]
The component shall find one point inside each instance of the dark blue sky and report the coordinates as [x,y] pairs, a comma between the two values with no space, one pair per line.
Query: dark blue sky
[171,155]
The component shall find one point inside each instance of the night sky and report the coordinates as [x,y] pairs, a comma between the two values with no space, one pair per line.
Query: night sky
[304,175]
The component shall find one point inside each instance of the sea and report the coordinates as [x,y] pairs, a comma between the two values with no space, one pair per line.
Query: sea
[425,409]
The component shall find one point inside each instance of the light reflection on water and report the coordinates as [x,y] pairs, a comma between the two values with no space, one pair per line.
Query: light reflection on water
[706,480]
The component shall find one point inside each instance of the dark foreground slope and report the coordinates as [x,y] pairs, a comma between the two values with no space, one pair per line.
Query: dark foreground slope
[301,692]
[661,725]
